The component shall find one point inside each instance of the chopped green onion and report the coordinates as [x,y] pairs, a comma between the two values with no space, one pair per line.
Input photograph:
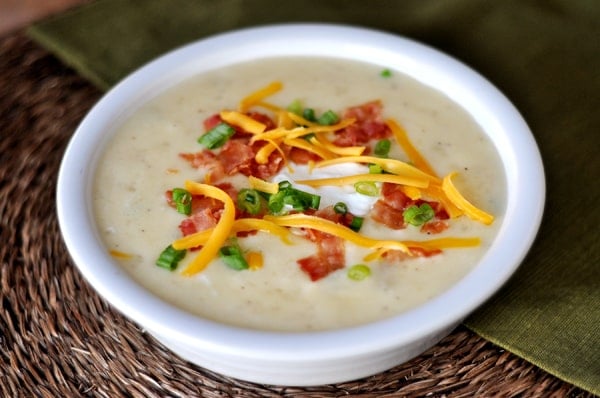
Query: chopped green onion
[309,114]
[328,118]
[275,203]
[250,201]
[359,272]
[368,188]
[375,169]
[217,136]
[382,148]
[307,137]
[386,73]
[356,223]
[283,185]
[233,257]
[340,208]
[418,215]
[300,200]
[295,107]
[183,201]
[297,199]
[170,257]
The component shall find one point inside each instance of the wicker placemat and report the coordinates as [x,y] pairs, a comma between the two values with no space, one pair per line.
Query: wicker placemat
[59,339]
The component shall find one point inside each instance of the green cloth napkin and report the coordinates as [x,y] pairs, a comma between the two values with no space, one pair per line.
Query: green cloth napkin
[544,55]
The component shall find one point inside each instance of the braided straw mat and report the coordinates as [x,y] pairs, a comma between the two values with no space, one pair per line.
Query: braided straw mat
[58,338]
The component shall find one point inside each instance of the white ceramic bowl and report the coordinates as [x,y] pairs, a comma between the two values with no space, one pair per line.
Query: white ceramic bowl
[304,359]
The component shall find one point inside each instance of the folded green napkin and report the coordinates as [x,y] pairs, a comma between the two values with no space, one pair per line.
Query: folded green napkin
[544,55]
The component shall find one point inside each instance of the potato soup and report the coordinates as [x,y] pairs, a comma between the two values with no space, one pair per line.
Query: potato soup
[373,194]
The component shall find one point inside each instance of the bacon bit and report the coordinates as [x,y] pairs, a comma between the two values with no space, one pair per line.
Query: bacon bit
[199,221]
[434,227]
[206,160]
[329,258]
[302,156]
[390,210]
[368,125]
[390,216]
[211,121]
[236,157]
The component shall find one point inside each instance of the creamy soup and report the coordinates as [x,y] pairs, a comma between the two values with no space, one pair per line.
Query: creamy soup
[143,161]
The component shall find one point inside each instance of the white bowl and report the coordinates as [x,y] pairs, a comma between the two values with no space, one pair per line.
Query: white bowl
[310,358]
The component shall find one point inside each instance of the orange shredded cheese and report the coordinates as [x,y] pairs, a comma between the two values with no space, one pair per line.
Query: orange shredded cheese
[241,225]
[245,122]
[390,165]
[255,260]
[352,179]
[320,224]
[262,185]
[120,254]
[337,150]
[260,94]
[413,154]
[220,232]
[463,204]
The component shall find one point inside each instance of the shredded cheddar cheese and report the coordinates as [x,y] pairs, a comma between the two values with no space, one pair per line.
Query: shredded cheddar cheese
[260,94]
[120,254]
[241,225]
[323,225]
[348,180]
[221,231]
[390,165]
[463,204]
[413,154]
[262,185]
[255,260]
[245,122]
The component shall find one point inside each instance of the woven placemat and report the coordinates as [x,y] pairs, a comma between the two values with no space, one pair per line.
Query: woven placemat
[58,338]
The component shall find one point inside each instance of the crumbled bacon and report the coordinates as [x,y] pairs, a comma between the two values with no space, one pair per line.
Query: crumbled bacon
[368,125]
[330,256]
[302,156]
[237,155]
[390,210]
[434,227]
[385,214]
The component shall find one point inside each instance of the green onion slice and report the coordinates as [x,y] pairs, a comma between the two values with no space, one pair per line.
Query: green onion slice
[275,203]
[386,73]
[356,223]
[375,169]
[340,208]
[283,185]
[233,257]
[295,107]
[295,198]
[382,148]
[359,272]
[368,188]
[170,257]
[328,118]
[309,114]
[249,200]
[183,201]
[418,215]
[217,136]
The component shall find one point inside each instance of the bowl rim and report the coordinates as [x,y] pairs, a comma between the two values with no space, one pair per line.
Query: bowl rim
[501,120]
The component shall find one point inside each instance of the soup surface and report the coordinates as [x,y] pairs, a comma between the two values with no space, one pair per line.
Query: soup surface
[143,161]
